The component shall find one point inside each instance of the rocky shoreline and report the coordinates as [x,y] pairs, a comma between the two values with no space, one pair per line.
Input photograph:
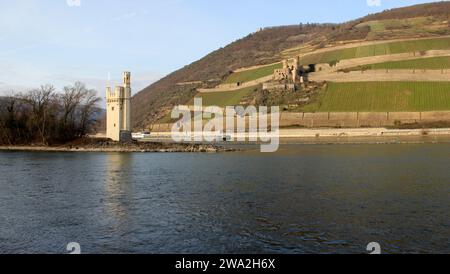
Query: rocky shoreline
[109,146]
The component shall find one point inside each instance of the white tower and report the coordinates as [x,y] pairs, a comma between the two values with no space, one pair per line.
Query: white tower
[118,111]
[127,101]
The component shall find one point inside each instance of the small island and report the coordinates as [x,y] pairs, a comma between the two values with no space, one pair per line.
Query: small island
[45,120]
[106,145]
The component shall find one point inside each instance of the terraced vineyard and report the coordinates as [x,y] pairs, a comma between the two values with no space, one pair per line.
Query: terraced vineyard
[378,49]
[409,23]
[423,63]
[250,75]
[384,96]
[403,27]
[223,99]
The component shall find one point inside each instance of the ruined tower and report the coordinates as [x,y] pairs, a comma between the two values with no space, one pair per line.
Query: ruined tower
[295,69]
[118,111]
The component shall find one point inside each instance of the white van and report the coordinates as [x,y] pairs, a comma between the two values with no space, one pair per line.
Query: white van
[140,135]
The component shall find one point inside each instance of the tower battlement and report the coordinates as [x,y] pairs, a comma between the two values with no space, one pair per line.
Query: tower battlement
[118,92]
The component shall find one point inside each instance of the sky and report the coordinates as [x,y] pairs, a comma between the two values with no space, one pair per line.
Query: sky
[60,42]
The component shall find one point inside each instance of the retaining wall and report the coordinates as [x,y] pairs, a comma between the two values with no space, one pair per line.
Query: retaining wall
[346,119]
[384,75]
[234,86]
[360,119]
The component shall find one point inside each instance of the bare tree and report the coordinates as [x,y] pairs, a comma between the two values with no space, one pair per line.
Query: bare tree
[13,120]
[88,112]
[39,100]
[70,101]
[44,116]
[81,102]
[5,131]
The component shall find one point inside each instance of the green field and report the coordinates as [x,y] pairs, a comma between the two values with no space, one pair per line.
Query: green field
[383,96]
[423,63]
[399,24]
[223,99]
[220,99]
[380,49]
[250,75]
[374,25]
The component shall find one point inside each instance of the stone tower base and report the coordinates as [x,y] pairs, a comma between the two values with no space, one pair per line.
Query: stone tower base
[125,136]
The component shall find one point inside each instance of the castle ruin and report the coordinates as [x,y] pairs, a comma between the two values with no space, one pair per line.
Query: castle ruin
[291,71]
[289,76]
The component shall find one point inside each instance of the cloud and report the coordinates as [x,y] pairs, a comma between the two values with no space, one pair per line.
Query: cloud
[126,16]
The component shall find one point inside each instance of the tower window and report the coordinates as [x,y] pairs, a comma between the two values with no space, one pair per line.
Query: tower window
[112,108]
[114,125]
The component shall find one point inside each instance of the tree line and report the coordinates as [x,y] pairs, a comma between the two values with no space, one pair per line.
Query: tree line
[44,116]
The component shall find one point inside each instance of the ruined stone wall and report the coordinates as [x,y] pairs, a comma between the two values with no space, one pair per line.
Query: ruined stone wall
[281,74]
[274,86]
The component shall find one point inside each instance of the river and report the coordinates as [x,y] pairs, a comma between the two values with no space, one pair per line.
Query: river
[302,199]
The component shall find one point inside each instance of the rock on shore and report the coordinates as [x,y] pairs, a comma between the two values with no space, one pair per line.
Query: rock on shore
[104,145]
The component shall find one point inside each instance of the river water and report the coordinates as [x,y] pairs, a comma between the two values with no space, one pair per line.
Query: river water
[303,199]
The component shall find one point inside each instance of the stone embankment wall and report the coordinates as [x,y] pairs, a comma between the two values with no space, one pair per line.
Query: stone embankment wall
[347,119]
[360,119]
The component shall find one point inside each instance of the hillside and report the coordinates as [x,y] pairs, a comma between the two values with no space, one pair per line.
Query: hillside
[317,42]
[255,49]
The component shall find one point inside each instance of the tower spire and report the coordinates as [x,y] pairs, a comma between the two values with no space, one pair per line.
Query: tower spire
[127,79]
